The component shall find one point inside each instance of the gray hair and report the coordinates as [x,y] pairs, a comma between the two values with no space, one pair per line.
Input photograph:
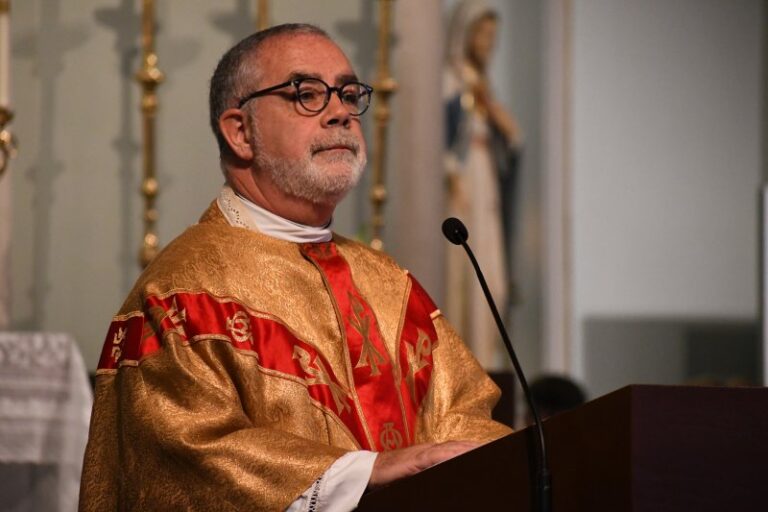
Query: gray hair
[234,69]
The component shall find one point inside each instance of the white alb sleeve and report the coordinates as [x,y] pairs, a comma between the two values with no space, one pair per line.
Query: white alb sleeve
[338,489]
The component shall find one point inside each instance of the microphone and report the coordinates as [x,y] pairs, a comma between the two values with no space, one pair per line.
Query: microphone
[456,233]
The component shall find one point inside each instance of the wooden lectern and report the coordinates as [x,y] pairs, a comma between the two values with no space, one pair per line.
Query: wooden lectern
[638,449]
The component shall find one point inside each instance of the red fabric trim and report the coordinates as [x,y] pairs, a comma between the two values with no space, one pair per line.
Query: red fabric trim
[124,343]
[417,341]
[185,317]
[372,367]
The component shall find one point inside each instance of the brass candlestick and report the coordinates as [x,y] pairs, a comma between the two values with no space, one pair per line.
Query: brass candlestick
[149,77]
[262,14]
[385,86]
[7,139]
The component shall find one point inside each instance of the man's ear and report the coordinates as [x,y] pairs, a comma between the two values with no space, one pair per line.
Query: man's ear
[234,128]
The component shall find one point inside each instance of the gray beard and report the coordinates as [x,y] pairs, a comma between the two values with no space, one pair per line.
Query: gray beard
[306,178]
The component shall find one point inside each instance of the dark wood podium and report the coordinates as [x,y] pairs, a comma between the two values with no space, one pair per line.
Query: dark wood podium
[638,449]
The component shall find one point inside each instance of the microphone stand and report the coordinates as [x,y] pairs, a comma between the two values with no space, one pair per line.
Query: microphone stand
[543,485]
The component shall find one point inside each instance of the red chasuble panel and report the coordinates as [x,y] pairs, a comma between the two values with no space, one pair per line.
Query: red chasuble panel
[389,393]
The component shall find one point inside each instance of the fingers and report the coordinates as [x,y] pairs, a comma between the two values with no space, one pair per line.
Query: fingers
[438,453]
[396,464]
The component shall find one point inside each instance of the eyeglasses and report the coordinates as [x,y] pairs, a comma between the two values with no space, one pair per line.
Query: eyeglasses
[313,94]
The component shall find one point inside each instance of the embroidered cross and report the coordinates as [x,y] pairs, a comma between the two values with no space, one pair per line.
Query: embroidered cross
[369,356]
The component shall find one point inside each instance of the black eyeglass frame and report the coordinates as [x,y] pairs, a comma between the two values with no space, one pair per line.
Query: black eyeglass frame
[328,91]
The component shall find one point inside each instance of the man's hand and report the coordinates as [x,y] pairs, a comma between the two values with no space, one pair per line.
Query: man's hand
[391,466]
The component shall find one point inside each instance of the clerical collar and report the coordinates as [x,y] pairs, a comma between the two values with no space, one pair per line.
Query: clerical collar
[284,229]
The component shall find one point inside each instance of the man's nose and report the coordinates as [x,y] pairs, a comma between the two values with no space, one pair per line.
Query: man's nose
[335,113]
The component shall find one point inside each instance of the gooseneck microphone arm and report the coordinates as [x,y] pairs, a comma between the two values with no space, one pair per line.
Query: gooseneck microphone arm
[456,233]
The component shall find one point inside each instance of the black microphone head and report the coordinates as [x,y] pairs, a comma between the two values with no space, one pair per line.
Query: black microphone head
[455,231]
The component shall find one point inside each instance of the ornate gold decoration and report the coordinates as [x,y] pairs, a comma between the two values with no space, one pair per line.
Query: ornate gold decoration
[119,336]
[177,318]
[369,356]
[417,359]
[7,139]
[240,326]
[390,438]
[117,341]
[149,77]
[262,14]
[385,86]
[317,374]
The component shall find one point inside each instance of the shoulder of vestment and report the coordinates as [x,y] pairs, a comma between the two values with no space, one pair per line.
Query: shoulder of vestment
[216,258]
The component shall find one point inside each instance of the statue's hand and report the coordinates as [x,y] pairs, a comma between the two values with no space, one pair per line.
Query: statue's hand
[507,124]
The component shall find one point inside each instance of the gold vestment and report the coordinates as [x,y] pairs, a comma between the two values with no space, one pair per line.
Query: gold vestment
[193,412]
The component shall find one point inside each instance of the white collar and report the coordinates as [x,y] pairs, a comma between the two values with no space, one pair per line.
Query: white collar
[241,212]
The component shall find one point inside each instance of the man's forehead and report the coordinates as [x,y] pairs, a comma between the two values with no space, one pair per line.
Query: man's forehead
[287,55]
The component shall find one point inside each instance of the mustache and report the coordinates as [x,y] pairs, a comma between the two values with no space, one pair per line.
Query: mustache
[345,141]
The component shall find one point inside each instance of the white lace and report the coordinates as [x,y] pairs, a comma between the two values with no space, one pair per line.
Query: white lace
[241,212]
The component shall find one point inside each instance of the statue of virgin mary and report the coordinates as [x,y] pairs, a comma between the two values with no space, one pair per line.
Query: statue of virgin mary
[482,152]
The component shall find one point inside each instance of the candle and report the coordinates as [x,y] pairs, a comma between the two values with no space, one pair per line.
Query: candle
[5,53]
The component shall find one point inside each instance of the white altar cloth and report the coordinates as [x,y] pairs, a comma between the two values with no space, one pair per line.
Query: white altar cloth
[45,407]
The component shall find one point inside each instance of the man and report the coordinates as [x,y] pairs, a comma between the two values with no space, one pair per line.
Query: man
[262,362]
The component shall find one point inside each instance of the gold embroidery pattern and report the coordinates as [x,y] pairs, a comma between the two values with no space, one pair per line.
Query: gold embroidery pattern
[417,359]
[176,317]
[390,438]
[319,375]
[117,342]
[369,356]
[240,326]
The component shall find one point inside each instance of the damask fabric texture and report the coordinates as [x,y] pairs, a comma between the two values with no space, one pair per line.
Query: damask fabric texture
[45,407]
[226,380]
